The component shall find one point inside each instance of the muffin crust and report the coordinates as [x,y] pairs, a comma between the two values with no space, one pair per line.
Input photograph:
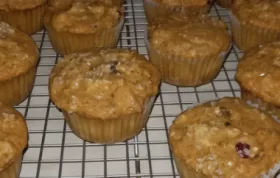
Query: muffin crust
[259,72]
[103,84]
[20,4]
[184,3]
[226,138]
[88,16]
[264,13]
[13,135]
[190,37]
[18,52]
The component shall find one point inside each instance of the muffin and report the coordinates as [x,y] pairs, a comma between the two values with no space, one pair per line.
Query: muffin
[13,140]
[18,58]
[225,138]
[106,96]
[224,3]
[87,24]
[255,22]
[156,8]
[26,15]
[188,51]
[258,76]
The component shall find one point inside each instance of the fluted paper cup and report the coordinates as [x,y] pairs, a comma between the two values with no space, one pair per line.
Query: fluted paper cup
[246,36]
[66,42]
[110,130]
[29,21]
[154,9]
[13,91]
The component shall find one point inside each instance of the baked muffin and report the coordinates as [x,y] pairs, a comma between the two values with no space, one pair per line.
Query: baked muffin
[106,96]
[18,59]
[13,140]
[188,51]
[255,22]
[258,76]
[85,25]
[157,8]
[225,138]
[26,15]
[224,3]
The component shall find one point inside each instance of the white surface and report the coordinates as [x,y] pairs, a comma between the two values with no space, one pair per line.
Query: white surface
[54,151]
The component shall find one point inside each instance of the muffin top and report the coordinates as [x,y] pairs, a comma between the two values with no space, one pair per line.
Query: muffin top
[13,135]
[264,13]
[184,3]
[190,37]
[259,72]
[18,52]
[20,4]
[87,16]
[231,139]
[104,84]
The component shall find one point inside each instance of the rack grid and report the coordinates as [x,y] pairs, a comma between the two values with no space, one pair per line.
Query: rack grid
[55,152]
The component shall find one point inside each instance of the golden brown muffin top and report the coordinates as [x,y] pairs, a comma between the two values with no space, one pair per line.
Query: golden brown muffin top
[190,37]
[104,84]
[184,3]
[259,72]
[263,13]
[20,4]
[88,16]
[13,135]
[18,52]
[226,138]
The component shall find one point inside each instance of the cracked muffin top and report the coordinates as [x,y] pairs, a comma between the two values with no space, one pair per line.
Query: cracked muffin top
[264,13]
[18,52]
[187,36]
[20,4]
[87,16]
[226,138]
[13,136]
[104,84]
[259,72]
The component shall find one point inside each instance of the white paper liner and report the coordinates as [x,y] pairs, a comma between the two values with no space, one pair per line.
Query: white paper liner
[180,71]
[272,173]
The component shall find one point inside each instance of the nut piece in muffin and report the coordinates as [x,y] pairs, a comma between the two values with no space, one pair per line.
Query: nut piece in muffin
[87,24]
[13,140]
[157,8]
[225,138]
[106,96]
[26,15]
[258,76]
[18,60]
[189,51]
[255,22]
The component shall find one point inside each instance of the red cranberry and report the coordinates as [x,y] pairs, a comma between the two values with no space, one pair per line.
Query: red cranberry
[243,150]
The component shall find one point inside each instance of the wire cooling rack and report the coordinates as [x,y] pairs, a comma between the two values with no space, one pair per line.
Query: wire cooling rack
[55,152]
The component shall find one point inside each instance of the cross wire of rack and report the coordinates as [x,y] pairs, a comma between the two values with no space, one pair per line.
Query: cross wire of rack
[55,152]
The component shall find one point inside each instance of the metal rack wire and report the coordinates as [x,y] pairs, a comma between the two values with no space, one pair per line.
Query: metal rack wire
[54,151]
